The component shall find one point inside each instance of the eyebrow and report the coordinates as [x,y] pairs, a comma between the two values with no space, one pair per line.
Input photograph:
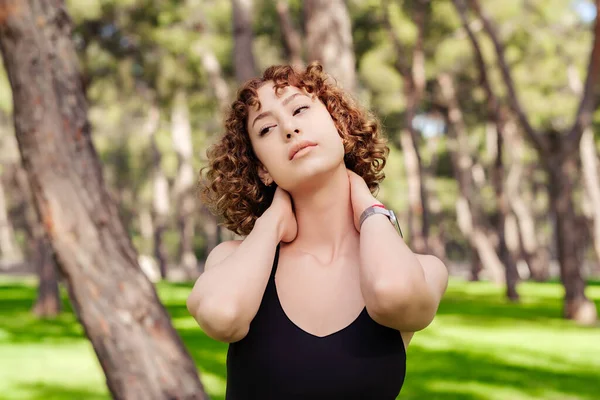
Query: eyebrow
[284,103]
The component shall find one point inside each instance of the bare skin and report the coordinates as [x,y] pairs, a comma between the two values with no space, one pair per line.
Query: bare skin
[329,269]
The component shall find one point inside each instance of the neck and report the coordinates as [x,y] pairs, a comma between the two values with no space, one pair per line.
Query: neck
[325,217]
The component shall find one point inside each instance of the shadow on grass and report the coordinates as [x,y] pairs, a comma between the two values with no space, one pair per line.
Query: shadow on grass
[539,301]
[23,326]
[450,375]
[494,307]
[46,391]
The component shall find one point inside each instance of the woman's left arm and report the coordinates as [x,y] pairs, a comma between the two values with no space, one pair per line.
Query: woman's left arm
[402,290]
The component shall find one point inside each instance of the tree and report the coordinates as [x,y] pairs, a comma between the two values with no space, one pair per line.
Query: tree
[245,66]
[138,348]
[497,116]
[558,151]
[471,217]
[291,40]
[48,303]
[328,32]
[410,64]
[183,188]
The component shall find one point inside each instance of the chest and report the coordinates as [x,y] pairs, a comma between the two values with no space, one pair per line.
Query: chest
[277,359]
[319,300]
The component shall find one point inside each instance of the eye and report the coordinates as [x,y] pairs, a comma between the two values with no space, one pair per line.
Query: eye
[300,109]
[264,130]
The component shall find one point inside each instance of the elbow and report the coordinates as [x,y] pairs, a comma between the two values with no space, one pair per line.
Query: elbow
[217,320]
[405,309]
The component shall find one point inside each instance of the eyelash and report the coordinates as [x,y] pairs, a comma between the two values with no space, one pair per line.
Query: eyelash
[264,131]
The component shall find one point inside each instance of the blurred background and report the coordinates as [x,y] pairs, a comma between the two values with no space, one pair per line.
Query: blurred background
[107,108]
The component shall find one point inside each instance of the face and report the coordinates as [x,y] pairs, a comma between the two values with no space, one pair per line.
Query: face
[294,138]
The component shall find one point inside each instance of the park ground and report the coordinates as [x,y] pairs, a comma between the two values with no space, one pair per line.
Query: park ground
[479,347]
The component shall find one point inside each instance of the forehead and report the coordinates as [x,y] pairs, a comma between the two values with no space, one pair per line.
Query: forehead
[267,96]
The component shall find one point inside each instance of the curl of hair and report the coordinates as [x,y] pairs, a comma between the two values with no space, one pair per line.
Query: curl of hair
[230,185]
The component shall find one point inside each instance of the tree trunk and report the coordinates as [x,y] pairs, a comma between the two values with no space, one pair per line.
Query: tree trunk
[412,70]
[183,189]
[417,211]
[476,266]
[503,209]
[495,139]
[161,204]
[535,255]
[148,263]
[471,218]
[243,57]
[589,161]
[48,303]
[576,305]
[9,249]
[160,210]
[137,347]
[209,221]
[211,65]
[292,42]
[328,31]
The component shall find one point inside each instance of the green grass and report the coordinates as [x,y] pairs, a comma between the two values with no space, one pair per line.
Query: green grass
[479,347]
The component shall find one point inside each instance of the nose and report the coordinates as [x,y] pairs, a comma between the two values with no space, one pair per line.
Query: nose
[289,135]
[289,127]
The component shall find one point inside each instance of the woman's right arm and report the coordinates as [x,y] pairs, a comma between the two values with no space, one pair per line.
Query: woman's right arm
[226,297]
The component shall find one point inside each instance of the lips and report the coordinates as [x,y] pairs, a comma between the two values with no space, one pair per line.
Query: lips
[299,146]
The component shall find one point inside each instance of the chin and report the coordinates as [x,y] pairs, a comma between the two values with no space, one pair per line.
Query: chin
[313,175]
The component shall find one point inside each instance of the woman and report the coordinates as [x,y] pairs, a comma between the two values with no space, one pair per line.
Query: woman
[321,298]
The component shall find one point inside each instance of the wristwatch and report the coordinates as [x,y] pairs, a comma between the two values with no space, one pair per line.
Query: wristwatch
[380,209]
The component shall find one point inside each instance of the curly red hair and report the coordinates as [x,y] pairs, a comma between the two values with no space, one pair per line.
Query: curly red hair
[232,188]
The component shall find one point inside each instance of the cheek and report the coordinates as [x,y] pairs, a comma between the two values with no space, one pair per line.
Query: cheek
[269,154]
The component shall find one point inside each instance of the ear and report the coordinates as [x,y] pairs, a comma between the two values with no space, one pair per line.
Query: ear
[264,175]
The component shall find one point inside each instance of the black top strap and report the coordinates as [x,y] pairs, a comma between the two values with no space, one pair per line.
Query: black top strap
[275,262]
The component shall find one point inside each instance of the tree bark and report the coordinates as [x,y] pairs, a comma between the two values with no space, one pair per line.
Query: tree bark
[328,32]
[209,222]
[469,211]
[536,256]
[161,204]
[211,65]
[137,347]
[568,241]
[183,189]
[9,249]
[589,161]
[48,303]
[417,209]
[503,207]
[243,56]
[292,42]
[413,75]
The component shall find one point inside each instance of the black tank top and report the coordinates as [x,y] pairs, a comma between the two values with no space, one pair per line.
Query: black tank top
[278,360]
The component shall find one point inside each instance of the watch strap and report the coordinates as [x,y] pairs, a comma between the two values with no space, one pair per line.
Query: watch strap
[379,209]
[372,211]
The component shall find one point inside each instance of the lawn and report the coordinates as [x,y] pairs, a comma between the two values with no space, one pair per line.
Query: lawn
[479,347]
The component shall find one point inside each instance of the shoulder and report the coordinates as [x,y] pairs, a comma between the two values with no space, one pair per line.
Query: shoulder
[221,252]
